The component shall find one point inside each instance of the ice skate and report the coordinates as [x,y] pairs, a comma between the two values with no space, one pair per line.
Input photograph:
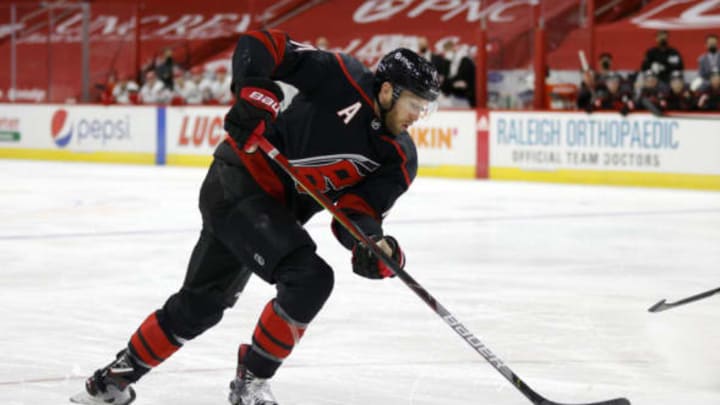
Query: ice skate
[247,389]
[109,385]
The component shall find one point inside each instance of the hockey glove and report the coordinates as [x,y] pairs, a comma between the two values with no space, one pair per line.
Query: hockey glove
[366,264]
[257,99]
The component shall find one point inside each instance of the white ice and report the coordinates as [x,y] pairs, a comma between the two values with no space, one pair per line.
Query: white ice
[554,279]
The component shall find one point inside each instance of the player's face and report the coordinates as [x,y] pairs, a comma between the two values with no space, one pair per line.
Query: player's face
[715,81]
[677,85]
[407,109]
[613,85]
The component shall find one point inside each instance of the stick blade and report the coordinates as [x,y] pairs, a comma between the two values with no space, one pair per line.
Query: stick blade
[660,306]
[616,401]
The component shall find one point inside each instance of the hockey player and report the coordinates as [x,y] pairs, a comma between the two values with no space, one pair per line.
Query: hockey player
[709,96]
[679,98]
[347,132]
[652,90]
[611,96]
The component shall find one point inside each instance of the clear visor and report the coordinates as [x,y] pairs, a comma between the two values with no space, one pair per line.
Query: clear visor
[417,105]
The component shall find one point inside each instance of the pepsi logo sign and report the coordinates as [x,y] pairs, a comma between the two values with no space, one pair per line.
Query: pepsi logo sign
[61,129]
[93,131]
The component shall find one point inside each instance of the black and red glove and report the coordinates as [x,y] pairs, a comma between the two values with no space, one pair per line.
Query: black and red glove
[257,100]
[366,264]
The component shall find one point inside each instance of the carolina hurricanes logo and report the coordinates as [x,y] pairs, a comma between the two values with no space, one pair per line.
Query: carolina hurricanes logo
[334,172]
[60,128]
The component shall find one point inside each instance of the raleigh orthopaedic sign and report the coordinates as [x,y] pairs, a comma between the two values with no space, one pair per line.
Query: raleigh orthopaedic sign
[579,145]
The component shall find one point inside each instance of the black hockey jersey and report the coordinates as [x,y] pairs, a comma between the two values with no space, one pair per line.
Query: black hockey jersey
[330,133]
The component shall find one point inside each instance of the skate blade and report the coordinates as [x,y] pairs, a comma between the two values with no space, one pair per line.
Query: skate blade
[85,398]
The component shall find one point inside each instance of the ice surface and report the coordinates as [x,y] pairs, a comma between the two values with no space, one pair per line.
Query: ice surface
[554,279]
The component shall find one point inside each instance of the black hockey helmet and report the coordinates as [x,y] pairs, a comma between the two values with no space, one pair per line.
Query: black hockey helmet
[405,69]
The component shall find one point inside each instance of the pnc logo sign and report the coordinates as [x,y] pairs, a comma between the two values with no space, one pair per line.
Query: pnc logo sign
[61,129]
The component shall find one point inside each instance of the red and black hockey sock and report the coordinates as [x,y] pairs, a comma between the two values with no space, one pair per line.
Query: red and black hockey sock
[150,345]
[274,338]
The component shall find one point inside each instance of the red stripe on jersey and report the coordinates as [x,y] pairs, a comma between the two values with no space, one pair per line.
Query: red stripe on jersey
[402,156]
[261,171]
[280,40]
[156,338]
[352,81]
[275,334]
[265,40]
[357,203]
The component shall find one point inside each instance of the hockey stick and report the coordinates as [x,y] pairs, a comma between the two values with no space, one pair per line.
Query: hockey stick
[583,61]
[652,108]
[664,305]
[657,112]
[537,399]
[696,116]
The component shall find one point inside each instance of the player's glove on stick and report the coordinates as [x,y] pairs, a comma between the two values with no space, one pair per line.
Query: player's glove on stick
[257,99]
[366,264]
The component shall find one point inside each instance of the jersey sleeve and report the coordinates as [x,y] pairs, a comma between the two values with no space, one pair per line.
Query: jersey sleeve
[272,54]
[367,203]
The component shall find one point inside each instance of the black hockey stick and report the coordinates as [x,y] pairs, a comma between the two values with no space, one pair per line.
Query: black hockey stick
[657,112]
[652,108]
[357,233]
[664,305]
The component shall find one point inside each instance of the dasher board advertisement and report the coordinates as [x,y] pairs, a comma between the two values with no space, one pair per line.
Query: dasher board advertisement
[639,149]
[83,133]
[193,133]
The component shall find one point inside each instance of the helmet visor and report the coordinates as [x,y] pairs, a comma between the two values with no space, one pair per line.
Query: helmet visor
[416,105]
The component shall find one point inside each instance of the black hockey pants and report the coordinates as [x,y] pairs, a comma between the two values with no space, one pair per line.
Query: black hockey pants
[245,231]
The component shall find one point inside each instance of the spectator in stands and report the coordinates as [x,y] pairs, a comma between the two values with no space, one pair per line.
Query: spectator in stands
[220,87]
[436,60]
[604,66]
[206,86]
[611,96]
[423,48]
[194,86]
[165,69]
[125,91]
[153,91]
[443,66]
[605,62]
[321,43]
[106,89]
[652,90]
[459,84]
[662,59]
[709,60]
[709,96]
[180,88]
[679,98]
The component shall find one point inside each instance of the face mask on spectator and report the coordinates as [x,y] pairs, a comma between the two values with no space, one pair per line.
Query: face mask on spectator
[712,48]
[663,42]
[605,64]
